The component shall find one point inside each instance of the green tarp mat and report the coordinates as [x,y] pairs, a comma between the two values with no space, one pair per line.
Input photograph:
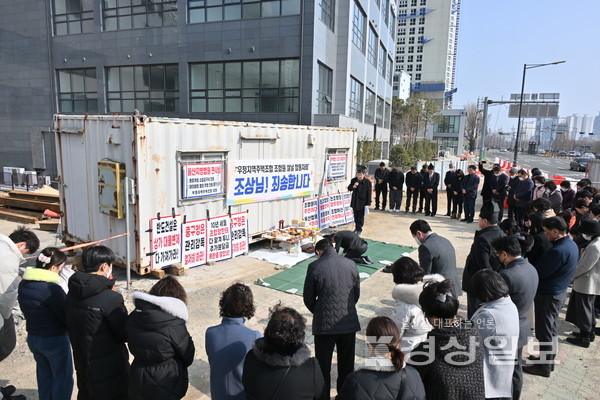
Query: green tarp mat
[292,280]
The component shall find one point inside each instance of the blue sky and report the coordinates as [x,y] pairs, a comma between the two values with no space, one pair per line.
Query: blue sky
[496,37]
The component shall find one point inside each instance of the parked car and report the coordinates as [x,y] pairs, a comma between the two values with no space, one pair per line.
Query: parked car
[591,156]
[562,153]
[503,150]
[579,164]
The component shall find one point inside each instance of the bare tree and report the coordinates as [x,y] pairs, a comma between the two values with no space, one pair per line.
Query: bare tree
[410,118]
[473,121]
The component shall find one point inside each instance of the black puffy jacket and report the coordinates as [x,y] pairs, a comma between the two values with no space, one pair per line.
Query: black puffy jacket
[96,318]
[331,291]
[370,384]
[265,377]
[361,195]
[161,346]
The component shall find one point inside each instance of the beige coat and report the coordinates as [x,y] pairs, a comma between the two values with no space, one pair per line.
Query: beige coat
[587,275]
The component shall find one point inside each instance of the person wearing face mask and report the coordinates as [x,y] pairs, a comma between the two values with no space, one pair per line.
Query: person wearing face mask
[555,271]
[499,182]
[481,255]
[554,196]
[522,280]
[469,186]
[457,195]
[586,285]
[513,182]
[448,181]
[436,253]
[538,188]
[522,195]
[96,319]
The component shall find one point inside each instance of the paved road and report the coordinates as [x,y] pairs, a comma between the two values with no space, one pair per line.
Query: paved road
[553,166]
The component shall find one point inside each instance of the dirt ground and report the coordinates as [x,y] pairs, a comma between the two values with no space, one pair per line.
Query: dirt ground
[204,285]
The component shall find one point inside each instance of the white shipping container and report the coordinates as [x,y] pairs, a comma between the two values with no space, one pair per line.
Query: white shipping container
[95,153]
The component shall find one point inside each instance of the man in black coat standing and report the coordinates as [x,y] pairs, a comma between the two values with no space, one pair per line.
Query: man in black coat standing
[469,186]
[331,291]
[511,187]
[414,181]
[448,179]
[431,183]
[486,189]
[360,187]
[436,254]
[381,185]
[481,255]
[396,183]
[423,172]
[522,196]
[522,280]
[96,318]
[499,182]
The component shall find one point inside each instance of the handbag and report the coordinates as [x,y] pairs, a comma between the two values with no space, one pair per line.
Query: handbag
[276,392]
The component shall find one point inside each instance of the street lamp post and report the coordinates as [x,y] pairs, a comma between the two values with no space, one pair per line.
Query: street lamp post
[525,68]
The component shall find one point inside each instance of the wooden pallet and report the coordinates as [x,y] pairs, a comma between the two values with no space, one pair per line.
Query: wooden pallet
[18,194]
[17,216]
[50,225]
[29,204]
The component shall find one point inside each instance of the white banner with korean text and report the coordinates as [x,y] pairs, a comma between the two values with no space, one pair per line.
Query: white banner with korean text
[252,181]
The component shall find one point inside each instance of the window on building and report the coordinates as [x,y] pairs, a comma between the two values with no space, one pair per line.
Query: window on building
[399,67]
[413,21]
[358,27]
[148,88]
[423,3]
[421,30]
[134,14]
[369,107]
[420,58]
[267,86]
[401,40]
[372,48]
[403,3]
[325,91]
[401,31]
[419,49]
[411,40]
[328,13]
[77,90]
[418,67]
[411,31]
[448,124]
[422,21]
[402,22]
[72,17]
[355,102]
[411,49]
[413,11]
[400,50]
[409,59]
[417,77]
[188,192]
[409,68]
[388,69]
[402,13]
[385,6]
[379,112]
[387,115]
[228,10]
[381,62]
[399,59]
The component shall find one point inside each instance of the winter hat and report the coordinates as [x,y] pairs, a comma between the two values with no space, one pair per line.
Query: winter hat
[490,211]
[589,227]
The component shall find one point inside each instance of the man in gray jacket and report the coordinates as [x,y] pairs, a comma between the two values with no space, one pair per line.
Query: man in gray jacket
[522,280]
[12,248]
[331,291]
[436,254]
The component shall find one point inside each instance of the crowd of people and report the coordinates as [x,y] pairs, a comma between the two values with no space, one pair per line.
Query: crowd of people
[516,278]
